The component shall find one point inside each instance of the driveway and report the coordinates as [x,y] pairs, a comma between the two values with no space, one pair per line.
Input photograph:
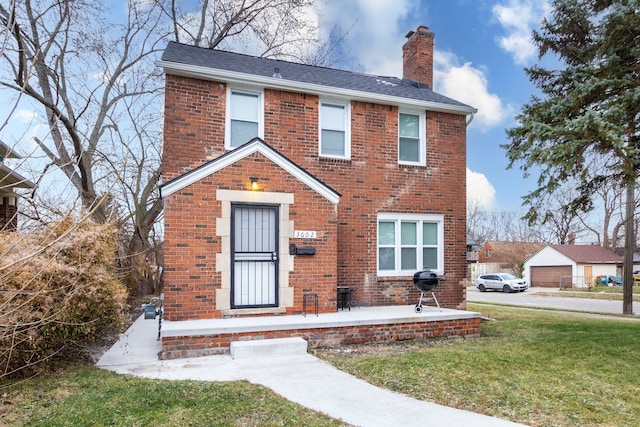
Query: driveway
[530,298]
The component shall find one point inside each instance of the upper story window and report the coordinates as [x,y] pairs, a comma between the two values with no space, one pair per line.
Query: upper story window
[244,118]
[335,136]
[412,141]
[408,243]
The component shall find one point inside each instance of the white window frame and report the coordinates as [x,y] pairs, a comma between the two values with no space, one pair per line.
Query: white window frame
[347,127]
[422,135]
[420,220]
[228,118]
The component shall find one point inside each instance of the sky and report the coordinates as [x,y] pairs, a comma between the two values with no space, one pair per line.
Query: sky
[481,50]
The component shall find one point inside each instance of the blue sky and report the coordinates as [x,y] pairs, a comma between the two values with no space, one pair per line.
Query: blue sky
[481,49]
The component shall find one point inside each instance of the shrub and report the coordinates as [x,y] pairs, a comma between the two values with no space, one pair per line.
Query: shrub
[58,292]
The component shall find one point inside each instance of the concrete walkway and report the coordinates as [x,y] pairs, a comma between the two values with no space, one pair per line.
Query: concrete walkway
[298,377]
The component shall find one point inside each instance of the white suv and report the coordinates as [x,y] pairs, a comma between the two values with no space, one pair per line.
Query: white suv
[501,281]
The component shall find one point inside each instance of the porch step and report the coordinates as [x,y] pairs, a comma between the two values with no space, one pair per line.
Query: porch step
[268,348]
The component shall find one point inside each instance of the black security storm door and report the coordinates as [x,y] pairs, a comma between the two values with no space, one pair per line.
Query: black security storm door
[254,256]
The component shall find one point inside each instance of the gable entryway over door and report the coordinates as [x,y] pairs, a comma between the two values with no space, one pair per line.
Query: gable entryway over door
[254,256]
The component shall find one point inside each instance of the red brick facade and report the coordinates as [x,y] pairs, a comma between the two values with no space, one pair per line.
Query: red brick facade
[418,55]
[369,183]
[191,276]
[202,345]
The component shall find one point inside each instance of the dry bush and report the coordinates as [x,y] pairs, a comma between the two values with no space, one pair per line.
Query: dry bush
[58,292]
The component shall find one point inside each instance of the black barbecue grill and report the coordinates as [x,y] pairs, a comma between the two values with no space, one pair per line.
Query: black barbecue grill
[425,280]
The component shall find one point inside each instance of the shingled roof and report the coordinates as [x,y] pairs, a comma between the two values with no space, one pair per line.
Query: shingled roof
[211,63]
[588,254]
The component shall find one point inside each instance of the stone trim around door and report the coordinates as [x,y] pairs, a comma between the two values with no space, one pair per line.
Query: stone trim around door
[223,259]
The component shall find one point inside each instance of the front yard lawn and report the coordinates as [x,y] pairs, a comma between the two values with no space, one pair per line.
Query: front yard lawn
[536,368]
[88,396]
[611,293]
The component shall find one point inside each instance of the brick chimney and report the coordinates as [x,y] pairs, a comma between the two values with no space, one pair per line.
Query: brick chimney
[417,56]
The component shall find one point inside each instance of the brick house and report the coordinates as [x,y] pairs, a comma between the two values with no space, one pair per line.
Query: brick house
[282,179]
[507,257]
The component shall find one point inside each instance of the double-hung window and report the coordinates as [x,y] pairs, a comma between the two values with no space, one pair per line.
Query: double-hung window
[408,243]
[412,142]
[335,138]
[244,118]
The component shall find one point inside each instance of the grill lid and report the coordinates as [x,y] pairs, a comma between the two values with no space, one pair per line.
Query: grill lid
[425,279]
[425,275]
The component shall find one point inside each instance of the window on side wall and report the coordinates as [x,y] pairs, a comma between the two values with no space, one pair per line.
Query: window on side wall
[408,243]
[244,118]
[412,142]
[335,138]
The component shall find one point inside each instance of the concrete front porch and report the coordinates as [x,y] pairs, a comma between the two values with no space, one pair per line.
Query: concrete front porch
[358,325]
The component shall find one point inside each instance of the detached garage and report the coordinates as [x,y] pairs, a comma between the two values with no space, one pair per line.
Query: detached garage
[556,266]
[549,276]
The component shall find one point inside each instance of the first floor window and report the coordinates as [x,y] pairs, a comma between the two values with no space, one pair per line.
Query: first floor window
[408,243]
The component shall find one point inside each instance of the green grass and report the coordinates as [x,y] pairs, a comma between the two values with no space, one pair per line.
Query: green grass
[88,396]
[611,293]
[540,369]
[537,368]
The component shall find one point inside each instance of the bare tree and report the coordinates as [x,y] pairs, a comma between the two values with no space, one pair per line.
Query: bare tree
[88,79]
[480,226]
[498,226]
[605,222]
[90,72]
[284,29]
[556,221]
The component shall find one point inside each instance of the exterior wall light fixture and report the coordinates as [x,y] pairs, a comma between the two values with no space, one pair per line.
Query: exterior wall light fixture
[254,183]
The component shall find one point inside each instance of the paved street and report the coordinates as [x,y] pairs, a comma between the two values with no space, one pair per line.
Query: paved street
[529,298]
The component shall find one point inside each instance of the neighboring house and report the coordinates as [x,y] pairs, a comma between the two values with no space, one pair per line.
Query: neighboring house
[282,179]
[472,257]
[571,265]
[505,257]
[9,181]
[472,250]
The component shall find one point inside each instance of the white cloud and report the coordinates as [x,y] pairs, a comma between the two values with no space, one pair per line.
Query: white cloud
[480,191]
[375,31]
[469,85]
[519,17]
[26,116]
[375,42]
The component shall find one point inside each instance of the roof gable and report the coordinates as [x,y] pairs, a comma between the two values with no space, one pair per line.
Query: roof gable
[508,251]
[229,66]
[588,254]
[256,145]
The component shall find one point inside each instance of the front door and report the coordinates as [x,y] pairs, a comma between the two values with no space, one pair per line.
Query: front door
[588,275]
[254,256]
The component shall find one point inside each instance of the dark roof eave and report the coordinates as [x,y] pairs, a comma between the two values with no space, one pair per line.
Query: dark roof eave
[10,178]
[208,73]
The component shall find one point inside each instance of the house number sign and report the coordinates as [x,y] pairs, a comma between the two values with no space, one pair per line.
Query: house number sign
[302,234]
